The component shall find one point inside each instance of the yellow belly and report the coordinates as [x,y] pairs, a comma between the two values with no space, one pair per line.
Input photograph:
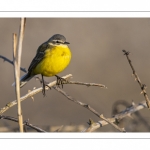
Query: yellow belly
[55,61]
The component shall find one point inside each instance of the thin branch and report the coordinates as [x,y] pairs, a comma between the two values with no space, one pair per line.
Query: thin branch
[25,123]
[142,86]
[76,82]
[30,94]
[11,62]
[87,84]
[127,112]
[67,82]
[88,107]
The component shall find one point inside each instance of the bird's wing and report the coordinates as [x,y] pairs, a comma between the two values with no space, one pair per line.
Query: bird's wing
[39,56]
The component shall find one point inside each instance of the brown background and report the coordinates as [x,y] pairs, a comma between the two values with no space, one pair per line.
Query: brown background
[96,45]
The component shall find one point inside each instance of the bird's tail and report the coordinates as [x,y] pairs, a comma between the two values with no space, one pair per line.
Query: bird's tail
[24,79]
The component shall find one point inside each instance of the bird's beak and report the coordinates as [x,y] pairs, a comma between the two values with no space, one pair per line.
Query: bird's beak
[66,43]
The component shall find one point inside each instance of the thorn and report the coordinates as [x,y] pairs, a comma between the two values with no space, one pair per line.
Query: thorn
[59,128]
[133,104]
[126,52]
[102,115]
[90,122]
[117,121]
[141,92]
[123,129]
[143,87]
[129,115]
[31,96]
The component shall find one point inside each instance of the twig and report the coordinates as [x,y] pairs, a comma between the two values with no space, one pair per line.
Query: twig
[11,62]
[127,112]
[118,103]
[67,82]
[87,84]
[108,121]
[142,86]
[30,94]
[26,123]
[88,107]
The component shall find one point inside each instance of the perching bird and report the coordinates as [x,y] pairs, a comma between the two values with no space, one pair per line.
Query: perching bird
[52,57]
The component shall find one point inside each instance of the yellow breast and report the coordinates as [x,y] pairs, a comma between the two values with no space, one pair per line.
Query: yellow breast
[56,59]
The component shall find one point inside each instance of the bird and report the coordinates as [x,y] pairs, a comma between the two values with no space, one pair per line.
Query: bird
[51,58]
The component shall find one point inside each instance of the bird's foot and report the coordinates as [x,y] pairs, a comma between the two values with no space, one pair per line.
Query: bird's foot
[45,84]
[60,81]
[43,90]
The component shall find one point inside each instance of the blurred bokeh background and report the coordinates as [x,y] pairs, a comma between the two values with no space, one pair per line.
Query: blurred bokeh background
[96,45]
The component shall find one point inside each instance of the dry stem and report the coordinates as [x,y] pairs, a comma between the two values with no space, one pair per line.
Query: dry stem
[17,61]
[11,62]
[87,84]
[25,123]
[142,86]
[88,107]
[127,112]
[30,94]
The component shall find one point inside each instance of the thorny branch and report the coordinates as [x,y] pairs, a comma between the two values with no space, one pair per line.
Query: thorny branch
[11,62]
[116,118]
[30,94]
[25,123]
[93,126]
[76,82]
[89,108]
[70,98]
[142,86]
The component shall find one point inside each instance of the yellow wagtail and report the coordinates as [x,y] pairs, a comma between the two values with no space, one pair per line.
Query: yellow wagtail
[52,57]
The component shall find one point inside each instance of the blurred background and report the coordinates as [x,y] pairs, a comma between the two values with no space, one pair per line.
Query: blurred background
[96,45]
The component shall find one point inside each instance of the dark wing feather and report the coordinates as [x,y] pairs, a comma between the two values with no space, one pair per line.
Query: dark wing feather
[39,56]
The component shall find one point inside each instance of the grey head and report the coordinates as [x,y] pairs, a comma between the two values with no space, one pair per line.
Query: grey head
[57,39]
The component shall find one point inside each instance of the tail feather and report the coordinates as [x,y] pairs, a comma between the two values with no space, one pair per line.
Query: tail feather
[24,79]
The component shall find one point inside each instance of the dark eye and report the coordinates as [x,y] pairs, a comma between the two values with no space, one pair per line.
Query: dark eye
[57,42]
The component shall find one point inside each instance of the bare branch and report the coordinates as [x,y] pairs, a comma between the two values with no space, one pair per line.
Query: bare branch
[142,86]
[127,112]
[87,84]
[108,121]
[67,82]
[88,107]
[11,62]
[30,94]
[26,123]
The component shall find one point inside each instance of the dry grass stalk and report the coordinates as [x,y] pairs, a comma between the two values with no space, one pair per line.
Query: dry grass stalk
[17,62]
